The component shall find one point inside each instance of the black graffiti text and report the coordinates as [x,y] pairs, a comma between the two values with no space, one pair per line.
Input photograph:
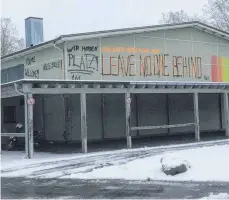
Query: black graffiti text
[75,76]
[51,65]
[73,48]
[86,64]
[31,60]
[89,48]
[32,73]
[82,48]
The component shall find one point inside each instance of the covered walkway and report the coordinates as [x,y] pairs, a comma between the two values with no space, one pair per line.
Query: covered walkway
[29,88]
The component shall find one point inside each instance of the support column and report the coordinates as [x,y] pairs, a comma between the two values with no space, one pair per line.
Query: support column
[26,126]
[68,118]
[83,122]
[196,116]
[128,122]
[102,115]
[30,127]
[226,112]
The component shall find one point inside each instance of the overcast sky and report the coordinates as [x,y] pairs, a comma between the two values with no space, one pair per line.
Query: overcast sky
[74,16]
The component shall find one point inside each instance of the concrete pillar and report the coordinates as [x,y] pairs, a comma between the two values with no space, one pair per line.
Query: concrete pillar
[30,145]
[128,121]
[196,116]
[83,122]
[226,113]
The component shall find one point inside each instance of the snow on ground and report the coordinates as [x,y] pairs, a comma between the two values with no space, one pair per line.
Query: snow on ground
[10,159]
[207,164]
[216,196]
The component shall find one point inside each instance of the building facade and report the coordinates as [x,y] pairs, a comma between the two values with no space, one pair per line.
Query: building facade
[154,73]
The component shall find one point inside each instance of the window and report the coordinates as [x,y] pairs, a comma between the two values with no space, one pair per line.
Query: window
[3,76]
[12,73]
[15,73]
[9,114]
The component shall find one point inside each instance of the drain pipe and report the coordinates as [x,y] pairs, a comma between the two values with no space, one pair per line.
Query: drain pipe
[65,74]
[64,57]
[26,118]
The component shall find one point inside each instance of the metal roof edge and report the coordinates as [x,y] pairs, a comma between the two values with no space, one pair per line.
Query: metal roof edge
[113,32]
[140,28]
[110,81]
[212,28]
[30,49]
[194,24]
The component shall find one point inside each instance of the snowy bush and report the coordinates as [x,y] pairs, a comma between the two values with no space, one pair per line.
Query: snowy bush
[173,165]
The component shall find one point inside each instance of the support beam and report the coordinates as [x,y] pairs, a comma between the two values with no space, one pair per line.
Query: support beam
[226,112]
[30,127]
[196,116]
[83,122]
[13,134]
[109,90]
[128,122]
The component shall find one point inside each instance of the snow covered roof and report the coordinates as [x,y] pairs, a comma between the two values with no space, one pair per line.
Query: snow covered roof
[63,38]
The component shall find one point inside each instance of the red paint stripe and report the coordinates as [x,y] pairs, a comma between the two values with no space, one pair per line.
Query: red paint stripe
[214,68]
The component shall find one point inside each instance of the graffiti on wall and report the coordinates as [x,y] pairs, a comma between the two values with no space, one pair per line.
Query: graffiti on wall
[51,65]
[85,63]
[120,61]
[42,67]
[32,73]
[30,60]
[153,65]
[43,70]
[219,69]
[129,50]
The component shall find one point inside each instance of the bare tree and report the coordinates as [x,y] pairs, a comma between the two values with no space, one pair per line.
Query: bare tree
[175,17]
[10,41]
[217,12]
[179,17]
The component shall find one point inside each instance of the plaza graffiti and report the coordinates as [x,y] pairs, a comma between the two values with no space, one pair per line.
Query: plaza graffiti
[82,64]
[86,63]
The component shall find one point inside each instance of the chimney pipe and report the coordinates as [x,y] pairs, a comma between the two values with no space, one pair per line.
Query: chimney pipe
[33,31]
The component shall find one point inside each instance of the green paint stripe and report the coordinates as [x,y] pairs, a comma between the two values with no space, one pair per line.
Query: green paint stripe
[226,69]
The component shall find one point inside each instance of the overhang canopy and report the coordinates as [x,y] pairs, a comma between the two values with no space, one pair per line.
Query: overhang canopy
[103,87]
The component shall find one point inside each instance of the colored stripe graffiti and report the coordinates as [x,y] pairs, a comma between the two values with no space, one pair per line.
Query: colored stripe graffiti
[220,69]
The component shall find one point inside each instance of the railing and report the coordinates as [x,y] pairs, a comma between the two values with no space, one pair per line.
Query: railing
[13,134]
[161,126]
